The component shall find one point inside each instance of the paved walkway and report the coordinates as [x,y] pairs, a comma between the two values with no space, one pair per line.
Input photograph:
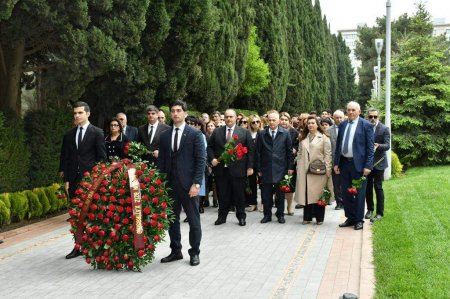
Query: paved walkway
[256,261]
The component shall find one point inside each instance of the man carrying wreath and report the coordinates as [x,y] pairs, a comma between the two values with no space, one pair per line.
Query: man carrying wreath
[231,177]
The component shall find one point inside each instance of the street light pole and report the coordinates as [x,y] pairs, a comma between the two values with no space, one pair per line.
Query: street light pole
[388,171]
[379,48]
[376,85]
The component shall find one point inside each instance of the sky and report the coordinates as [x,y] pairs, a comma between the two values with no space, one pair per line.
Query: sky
[347,14]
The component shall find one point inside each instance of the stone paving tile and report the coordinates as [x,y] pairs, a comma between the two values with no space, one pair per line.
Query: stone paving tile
[256,261]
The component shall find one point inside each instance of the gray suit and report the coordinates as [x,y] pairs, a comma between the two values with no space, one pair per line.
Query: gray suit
[333,132]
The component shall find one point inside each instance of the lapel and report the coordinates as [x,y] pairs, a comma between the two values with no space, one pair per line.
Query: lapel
[86,136]
[158,129]
[145,135]
[184,136]
[223,137]
[268,136]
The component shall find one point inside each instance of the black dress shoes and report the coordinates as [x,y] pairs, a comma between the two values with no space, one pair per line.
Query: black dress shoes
[339,206]
[174,256]
[195,260]
[377,217]
[266,219]
[281,220]
[74,253]
[242,222]
[358,226]
[220,221]
[368,214]
[201,209]
[298,206]
[346,223]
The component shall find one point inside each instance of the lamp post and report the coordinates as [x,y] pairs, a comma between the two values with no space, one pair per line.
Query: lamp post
[377,82]
[388,171]
[379,48]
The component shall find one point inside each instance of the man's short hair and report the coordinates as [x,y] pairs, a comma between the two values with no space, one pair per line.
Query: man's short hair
[215,113]
[82,104]
[373,110]
[151,108]
[339,111]
[178,103]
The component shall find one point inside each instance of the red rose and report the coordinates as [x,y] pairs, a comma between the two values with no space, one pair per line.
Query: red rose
[155,216]
[147,179]
[163,215]
[114,181]
[245,150]
[129,210]
[122,201]
[144,197]
[147,210]
[117,226]
[142,185]
[98,259]
[122,191]
[100,216]
[103,208]
[101,233]
[126,257]
[230,151]
[116,258]
[112,208]
[91,216]
[84,237]
[125,238]
[104,198]
[109,214]
[112,198]
[89,230]
[152,189]
[141,253]
[139,172]
[150,247]
[84,252]
[77,246]
[158,182]
[152,173]
[86,174]
[116,218]
[94,175]
[164,205]
[235,137]
[105,182]
[112,234]
[93,207]
[95,229]
[160,225]
[88,260]
[123,182]
[125,221]
[106,220]
[72,212]
[130,264]
[129,200]
[120,209]
[75,201]
[109,241]
[78,191]
[153,223]
[103,190]
[155,200]
[156,238]
[112,189]
[95,168]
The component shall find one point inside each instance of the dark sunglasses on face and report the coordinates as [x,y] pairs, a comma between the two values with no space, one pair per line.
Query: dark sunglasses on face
[373,116]
[255,122]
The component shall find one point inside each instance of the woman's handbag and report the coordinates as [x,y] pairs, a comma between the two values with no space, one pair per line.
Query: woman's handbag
[317,167]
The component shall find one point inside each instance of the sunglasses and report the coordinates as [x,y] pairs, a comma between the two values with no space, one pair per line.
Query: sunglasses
[244,122]
[255,122]
[373,116]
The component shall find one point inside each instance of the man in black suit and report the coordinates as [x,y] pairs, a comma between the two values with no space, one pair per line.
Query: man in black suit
[353,159]
[83,146]
[129,131]
[382,140]
[149,134]
[231,179]
[338,117]
[274,159]
[182,157]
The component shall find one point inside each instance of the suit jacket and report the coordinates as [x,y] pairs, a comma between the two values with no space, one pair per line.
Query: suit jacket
[216,146]
[131,133]
[362,145]
[383,138]
[143,138]
[333,137]
[274,157]
[190,158]
[77,161]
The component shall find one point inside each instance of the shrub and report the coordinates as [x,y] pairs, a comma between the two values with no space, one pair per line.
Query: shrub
[34,205]
[54,204]
[62,203]
[5,199]
[42,196]
[19,206]
[14,156]
[5,214]
[397,166]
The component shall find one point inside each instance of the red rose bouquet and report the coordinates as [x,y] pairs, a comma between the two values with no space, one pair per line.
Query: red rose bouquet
[135,150]
[233,152]
[119,214]
[285,184]
[324,199]
[356,184]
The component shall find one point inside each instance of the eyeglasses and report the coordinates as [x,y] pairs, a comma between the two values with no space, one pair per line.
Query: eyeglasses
[190,123]
[255,122]
[244,121]
[373,116]
[113,125]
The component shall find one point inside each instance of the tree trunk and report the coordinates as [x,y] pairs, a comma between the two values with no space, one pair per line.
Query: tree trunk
[11,66]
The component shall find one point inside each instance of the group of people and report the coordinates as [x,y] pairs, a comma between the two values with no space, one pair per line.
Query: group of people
[280,148]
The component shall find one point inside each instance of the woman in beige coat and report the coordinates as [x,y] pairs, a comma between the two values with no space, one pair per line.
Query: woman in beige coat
[314,145]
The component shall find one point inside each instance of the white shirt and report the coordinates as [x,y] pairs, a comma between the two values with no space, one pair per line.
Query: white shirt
[227,129]
[180,133]
[349,154]
[155,126]
[276,131]
[82,133]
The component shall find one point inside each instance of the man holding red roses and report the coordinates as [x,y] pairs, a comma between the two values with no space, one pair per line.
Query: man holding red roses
[231,177]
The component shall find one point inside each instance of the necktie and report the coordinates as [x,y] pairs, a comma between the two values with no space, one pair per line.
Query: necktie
[150,135]
[228,134]
[273,135]
[175,140]
[347,137]
[80,137]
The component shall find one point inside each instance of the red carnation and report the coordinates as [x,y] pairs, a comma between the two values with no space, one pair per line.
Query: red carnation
[130,264]
[150,247]
[105,182]
[100,216]
[158,182]
[120,209]
[155,200]
[129,200]
[96,196]
[104,198]
[112,189]
[152,173]
[152,189]
[147,210]
[147,179]
[160,225]
[163,215]
[164,205]
[91,216]
[144,197]
[235,137]
[101,233]
[86,174]
[142,185]
[114,181]
[123,182]
[93,207]
[117,226]
[88,260]
[106,220]
[125,221]
[116,218]
[139,172]
[245,150]
[112,234]
[125,238]
[122,201]
[103,190]
[141,253]
[230,151]
[129,210]
[112,208]
[153,223]
[156,238]
[122,191]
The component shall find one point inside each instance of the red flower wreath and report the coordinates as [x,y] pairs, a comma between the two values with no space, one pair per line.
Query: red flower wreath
[109,234]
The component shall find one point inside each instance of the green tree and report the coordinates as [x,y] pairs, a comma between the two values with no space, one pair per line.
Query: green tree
[421,96]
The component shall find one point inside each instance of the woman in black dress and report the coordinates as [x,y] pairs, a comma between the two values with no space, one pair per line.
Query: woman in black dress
[115,140]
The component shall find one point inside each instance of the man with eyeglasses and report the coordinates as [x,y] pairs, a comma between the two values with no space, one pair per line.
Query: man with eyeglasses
[129,131]
[149,134]
[382,139]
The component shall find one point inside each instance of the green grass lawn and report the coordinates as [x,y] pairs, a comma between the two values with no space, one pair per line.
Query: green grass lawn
[411,243]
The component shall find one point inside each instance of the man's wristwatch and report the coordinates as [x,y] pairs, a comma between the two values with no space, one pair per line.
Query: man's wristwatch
[197,186]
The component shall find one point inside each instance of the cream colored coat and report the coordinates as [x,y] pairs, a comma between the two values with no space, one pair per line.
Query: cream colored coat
[318,149]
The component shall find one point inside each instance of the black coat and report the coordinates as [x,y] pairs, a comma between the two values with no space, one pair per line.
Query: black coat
[77,161]
[216,146]
[131,133]
[143,138]
[274,157]
[383,138]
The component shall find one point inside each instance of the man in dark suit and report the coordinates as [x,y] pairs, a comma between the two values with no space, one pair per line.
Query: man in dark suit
[382,140]
[83,146]
[149,134]
[231,179]
[129,131]
[338,117]
[183,158]
[274,159]
[353,159]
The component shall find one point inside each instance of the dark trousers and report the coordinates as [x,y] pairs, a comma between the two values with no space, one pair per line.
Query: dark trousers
[313,210]
[337,188]
[191,208]
[251,199]
[231,191]
[375,180]
[353,205]
[73,186]
[267,191]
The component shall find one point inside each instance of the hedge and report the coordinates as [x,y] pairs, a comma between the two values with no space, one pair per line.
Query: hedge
[17,206]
